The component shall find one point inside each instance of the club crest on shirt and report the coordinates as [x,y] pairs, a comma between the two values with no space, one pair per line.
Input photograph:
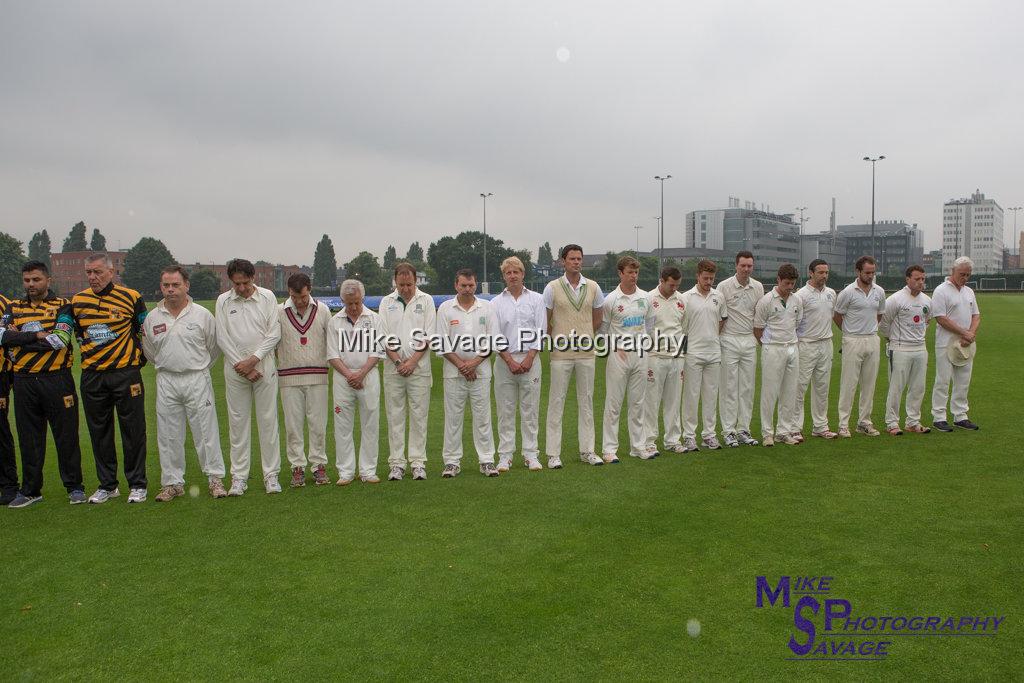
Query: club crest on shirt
[3,403]
[418,309]
[159,329]
[69,401]
[656,304]
[135,390]
[483,320]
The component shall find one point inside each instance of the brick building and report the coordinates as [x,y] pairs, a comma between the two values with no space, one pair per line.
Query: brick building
[68,270]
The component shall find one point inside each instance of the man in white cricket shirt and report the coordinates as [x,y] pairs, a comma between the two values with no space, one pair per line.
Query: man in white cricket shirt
[574,304]
[776,318]
[904,324]
[705,314]
[957,317]
[627,314]
[302,375]
[665,364]
[353,350]
[247,334]
[180,339]
[815,345]
[859,307]
[522,319]
[468,327]
[407,374]
[739,352]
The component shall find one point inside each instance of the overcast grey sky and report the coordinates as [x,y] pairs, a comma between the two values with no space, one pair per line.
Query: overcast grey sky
[251,128]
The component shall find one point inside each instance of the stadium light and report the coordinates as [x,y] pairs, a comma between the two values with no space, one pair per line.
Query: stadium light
[873,161]
[661,227]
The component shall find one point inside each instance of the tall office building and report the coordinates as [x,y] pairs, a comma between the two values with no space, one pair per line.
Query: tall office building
[974,228]
[773,238]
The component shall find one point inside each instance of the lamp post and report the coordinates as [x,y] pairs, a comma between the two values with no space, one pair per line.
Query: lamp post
[638,228]
[801,209]
[1016,244]
[484,289]
[873,162]
[661,226]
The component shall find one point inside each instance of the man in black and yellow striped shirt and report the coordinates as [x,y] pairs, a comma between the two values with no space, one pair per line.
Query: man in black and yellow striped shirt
[8,464]
[108,320]
[38,339]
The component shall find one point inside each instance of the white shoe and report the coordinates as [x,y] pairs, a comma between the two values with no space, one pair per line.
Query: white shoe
[272,484]
[731,441]
[396,473]
[591,459]
[238,487]
[489,470]
[504,463]
[689,445]
[646,454]
[419,473]
[610,458]
[711,442]
[102,496]
[534,464]
[745,438]
[554,462]
[789,439]
[675,448]
[137,495]
[768,441]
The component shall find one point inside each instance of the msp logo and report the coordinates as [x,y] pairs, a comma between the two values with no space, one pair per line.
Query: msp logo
[829,629]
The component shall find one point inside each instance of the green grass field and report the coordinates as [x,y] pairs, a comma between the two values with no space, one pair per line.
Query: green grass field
[581,573]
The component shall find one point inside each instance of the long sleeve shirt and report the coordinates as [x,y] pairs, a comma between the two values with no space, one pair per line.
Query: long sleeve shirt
[248,326]
[183,343]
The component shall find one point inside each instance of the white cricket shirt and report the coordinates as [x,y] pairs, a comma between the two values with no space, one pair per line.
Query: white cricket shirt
[465,331]
[701,317]
[247,326]
[959,305]
[359,338]
[399,319]
[528,312]
[818,305]
[740,300]
[905,320]
[668,319]
[778,317]
[183,343]
[860,311]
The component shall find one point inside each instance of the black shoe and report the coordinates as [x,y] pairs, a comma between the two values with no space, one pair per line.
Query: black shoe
[966,424]
[942,426]
[7,497]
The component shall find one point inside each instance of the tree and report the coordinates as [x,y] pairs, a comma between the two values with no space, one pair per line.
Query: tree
[544,256]
[98,242]
[11,258]
[203,284]
[367,270]
[390,258]
[465,250]
[325,265]
[142,266]
[415,253]
[75,241]
[39,247]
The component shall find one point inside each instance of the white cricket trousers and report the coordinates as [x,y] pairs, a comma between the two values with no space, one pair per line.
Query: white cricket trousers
[561,371]
[458,391]
[815,372]
[946,372]
[664,389]
[241,394]
[182,396]
[624,371]
[780,369]
[906,372]
[305,404]
[736,390]
[346,401]
[860,369]
[703,373]
[522,391]
[407,397]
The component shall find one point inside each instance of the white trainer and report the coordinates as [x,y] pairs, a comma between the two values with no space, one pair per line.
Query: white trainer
[238,487]
[689,444]
[504,463]
[137,495]
[272,485]
[554,462]
[591,459]
[102,496]
[534,464]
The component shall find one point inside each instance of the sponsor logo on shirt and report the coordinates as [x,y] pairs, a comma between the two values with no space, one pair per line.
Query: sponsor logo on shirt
[159,329]
[100,334]
[135,390]
[69,401]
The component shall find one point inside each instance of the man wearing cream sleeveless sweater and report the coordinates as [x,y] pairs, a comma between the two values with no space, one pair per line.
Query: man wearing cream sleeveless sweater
[302,376]
[574,314]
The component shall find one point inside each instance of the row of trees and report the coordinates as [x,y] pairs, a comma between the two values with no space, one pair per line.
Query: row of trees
[40,246]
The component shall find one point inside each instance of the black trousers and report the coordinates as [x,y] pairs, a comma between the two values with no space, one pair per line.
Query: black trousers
[41,399]
[103,392]
[8,463]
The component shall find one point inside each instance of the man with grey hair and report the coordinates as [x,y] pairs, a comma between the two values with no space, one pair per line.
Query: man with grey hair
[353,350]
[108,323]
[956,313]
